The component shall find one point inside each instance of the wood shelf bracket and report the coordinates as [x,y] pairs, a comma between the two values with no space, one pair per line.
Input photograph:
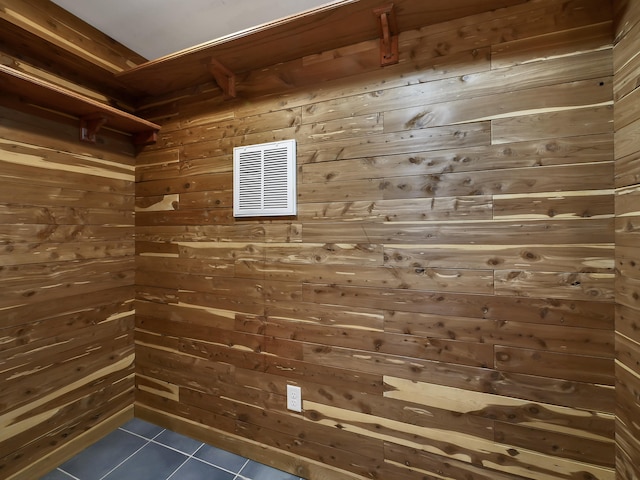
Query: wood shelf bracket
[224,77]
[148,137]
[90,125]
[389,54]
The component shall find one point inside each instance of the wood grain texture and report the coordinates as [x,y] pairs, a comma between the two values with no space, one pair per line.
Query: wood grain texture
[67,274]
[458,296]
[445,297]
[627,200]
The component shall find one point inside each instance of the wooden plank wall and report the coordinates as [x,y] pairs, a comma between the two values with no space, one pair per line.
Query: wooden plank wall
[626,64]
[66,289]
[42,39]
[445,295]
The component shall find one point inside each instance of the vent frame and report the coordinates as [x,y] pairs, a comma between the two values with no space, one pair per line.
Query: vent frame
[264,179]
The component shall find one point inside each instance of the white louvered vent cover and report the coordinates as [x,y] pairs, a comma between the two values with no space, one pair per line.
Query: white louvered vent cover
[264,179]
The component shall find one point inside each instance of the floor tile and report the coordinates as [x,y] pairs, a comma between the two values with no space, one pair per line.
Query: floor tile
[56,475]
[142,428]
[196,470]
[152,462]
[227,460]
[143,451]
[98,459]
[179,442]
[257,471]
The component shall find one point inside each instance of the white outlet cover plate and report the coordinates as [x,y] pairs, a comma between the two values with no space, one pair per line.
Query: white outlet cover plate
[294,398]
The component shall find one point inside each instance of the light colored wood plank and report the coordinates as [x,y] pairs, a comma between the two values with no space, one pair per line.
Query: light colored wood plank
[585,204]
[584,286]
[568,96]
[557,151]
[437,138]
[594,120]
[476,207]
[598,36]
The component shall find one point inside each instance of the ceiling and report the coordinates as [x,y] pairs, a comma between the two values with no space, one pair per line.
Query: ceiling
[155,28]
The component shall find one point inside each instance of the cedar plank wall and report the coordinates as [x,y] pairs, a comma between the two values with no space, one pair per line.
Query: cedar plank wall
[627,182]
[66,290]
[445,295]
[66,248]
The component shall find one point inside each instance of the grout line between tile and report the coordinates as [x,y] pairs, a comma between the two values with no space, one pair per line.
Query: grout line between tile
[106,474]
[147,443]
[179,467]
[189,457]
[68,474]
[174,448]
[219,467]
[142,436]
[238,476]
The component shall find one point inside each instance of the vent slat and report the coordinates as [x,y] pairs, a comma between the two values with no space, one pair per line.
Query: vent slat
[264,179]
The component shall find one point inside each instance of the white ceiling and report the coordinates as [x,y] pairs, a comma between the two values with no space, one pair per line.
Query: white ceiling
[155,28]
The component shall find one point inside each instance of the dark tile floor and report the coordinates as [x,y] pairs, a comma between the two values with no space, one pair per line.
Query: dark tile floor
[142,451]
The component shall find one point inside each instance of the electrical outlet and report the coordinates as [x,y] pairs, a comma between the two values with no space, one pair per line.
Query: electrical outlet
[294,398]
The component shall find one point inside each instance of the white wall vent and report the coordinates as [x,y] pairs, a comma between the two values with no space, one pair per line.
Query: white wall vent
[264,179]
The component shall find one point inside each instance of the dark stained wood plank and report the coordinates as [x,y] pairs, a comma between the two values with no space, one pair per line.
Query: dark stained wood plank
[502,232]
[49,95]
[446,350]
[557,444]
[549,258]
[555,338]
[551,364]
[46,129]
[429,279]
[50,282]
[543,311]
